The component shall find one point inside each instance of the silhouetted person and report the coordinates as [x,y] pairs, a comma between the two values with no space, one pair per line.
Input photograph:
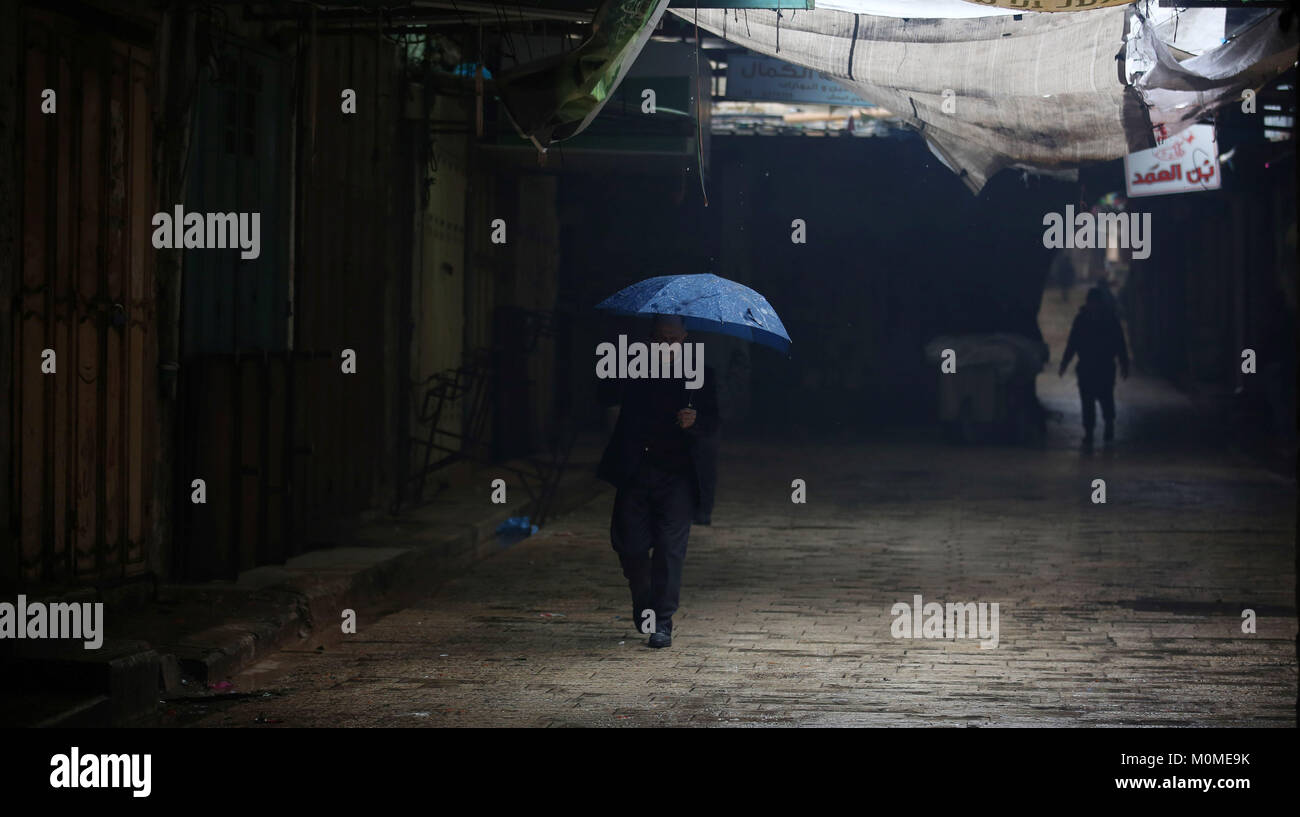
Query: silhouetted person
[662,458]
[1098,339]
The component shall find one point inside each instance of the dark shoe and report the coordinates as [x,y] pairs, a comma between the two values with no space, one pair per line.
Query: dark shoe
[663,635]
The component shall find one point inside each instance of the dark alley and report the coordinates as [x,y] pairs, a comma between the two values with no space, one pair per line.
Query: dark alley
[370,366]
[1127,613]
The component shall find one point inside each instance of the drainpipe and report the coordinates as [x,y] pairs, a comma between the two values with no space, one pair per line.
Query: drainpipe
[176,91]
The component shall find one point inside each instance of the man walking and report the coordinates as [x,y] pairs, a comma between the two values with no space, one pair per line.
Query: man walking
[1098,339]
[662,460]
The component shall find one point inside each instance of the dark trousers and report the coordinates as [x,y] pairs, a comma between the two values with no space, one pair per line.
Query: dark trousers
[651,523]
[1097,387]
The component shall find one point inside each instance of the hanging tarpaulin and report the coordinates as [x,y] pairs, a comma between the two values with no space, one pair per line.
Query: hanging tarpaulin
[1050,5]
[1180,93]
[1043,92]
[557,97]
[946,9]
[954,9]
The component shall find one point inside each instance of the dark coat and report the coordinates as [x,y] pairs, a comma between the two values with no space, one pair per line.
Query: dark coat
[623,455]
[1098,339]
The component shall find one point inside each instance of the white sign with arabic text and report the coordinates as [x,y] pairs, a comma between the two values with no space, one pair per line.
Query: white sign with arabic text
[1184,163]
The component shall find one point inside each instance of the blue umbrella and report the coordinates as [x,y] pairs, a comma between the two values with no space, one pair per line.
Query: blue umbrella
[705,302]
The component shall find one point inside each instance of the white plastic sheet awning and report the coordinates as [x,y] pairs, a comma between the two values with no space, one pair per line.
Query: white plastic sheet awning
[958,9]
[1045,92]
[947,9]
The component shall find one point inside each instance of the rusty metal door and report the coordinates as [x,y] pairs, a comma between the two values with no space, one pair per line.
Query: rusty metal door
[85,435]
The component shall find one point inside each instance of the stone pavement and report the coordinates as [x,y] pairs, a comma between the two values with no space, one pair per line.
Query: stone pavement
[1123,613]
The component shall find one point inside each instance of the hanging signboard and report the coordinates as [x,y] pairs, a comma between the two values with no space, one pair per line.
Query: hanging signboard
[765,79]
[1183,163]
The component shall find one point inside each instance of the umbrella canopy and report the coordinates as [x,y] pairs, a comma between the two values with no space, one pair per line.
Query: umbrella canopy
[706,303]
